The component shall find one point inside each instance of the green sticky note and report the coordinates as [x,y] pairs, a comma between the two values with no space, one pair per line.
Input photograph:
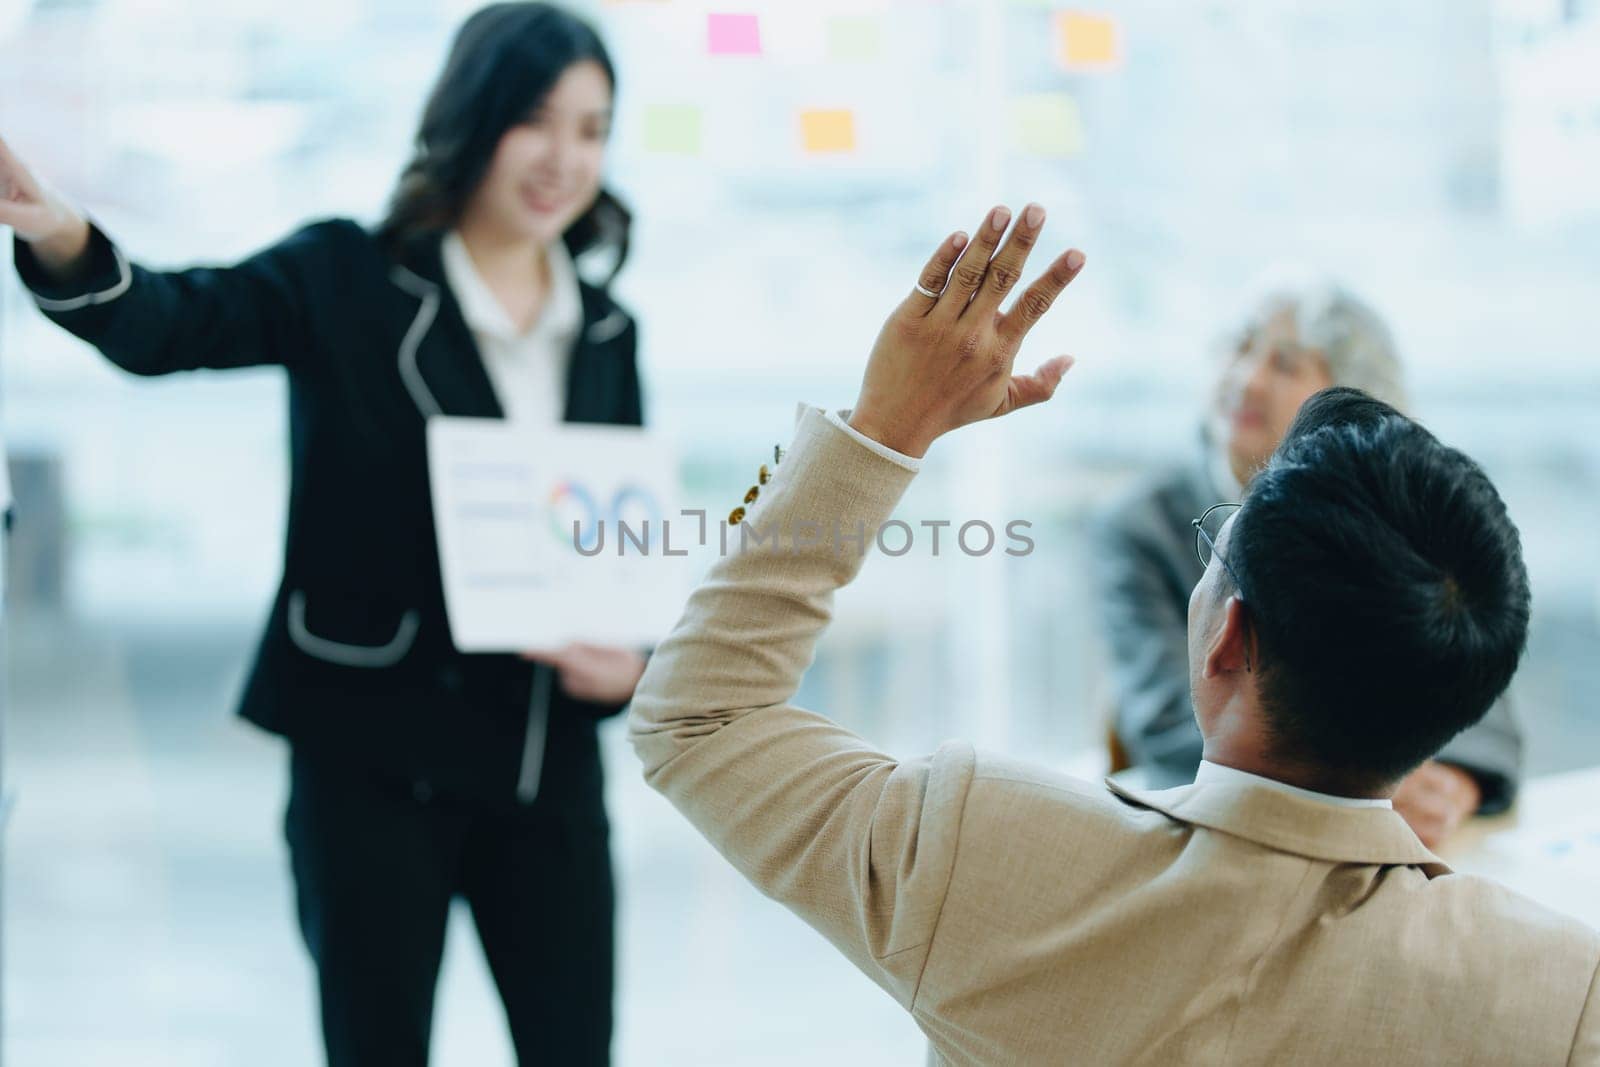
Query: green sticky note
[672,128]
[854,38]
[1046,124]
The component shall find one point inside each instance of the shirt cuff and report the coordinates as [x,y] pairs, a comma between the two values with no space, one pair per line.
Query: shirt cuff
[839,418]
[102,276]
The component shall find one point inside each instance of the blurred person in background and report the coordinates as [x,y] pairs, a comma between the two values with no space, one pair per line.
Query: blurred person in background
[1303,334]
[417,773]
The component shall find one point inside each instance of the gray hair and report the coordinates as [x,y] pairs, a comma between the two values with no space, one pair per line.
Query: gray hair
[1353,339]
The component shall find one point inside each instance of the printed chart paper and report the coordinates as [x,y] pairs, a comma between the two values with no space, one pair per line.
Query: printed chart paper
[516,577]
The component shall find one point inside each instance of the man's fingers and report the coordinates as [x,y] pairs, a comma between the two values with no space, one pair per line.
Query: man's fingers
[1006,266]
[1037,298]
[935,273]
[973,264]
[1026,390]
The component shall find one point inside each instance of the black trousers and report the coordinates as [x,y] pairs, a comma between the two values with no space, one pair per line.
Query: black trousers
[377,861]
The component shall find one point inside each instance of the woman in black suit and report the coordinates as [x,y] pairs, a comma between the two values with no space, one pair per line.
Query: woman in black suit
[417,772]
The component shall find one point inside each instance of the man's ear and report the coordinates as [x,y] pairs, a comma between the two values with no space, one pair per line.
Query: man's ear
[1233,647]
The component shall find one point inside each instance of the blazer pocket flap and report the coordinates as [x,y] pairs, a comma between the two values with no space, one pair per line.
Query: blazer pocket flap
[350,631]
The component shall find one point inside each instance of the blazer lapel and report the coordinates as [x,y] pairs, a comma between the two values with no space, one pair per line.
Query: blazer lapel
[1291,824]
[591,372]
[438,359]
[439,363]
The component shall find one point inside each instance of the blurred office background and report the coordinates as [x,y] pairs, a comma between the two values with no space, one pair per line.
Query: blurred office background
[1442,155]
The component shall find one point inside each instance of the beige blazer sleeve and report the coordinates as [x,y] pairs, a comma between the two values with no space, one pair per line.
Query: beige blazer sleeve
[1586,1045]
[857,844]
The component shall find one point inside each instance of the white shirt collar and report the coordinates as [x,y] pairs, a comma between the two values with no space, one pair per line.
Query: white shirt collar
[482,310]
[1214,773]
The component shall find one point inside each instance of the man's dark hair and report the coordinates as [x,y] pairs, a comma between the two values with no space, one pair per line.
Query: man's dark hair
[1385,587]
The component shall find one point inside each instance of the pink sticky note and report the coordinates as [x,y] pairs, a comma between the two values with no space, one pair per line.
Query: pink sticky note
[733,35]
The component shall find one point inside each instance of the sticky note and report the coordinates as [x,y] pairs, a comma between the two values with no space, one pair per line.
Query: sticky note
[672,128]
[1046,124]
[853,38]
[1085,42]
[828,130]
[733,35]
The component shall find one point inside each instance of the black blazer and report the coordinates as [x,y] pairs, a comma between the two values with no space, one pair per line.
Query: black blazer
[356,655]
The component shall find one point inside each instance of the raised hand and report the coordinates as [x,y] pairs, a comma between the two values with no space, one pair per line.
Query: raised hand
[944,357]
[57,233]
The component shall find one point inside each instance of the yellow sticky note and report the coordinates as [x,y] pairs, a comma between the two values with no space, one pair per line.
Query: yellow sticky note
[853,38]
[1046,124]
[672,128]
[1084,41]
[828,130]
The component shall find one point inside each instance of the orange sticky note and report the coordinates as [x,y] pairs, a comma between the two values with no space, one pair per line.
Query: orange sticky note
[1084,41]
[828,130]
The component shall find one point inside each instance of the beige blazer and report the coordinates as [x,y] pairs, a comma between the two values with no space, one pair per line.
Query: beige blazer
[1025,917]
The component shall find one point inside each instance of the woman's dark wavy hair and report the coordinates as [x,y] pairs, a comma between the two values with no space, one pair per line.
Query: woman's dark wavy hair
[502,64]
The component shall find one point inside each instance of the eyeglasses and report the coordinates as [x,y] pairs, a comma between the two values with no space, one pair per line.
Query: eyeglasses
[1207,528]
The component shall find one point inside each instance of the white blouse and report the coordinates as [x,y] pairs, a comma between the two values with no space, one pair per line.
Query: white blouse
[528,370]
